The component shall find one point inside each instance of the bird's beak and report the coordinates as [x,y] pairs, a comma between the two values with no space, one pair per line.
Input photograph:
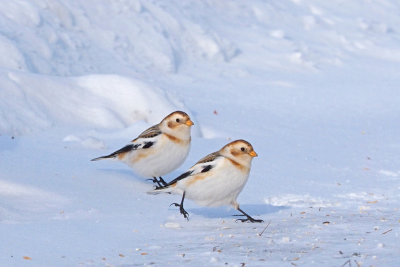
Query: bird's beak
[253,154]
[189,123]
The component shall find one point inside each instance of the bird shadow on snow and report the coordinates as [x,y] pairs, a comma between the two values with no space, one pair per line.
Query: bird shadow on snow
[128,177]
[253,210]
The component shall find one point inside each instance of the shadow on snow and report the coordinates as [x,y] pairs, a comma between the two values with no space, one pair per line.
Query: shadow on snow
[253,210]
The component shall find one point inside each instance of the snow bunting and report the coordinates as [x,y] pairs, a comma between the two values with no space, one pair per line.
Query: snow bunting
[216,179]
[159,150]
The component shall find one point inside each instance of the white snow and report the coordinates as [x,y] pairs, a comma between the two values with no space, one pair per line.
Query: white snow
[313,85]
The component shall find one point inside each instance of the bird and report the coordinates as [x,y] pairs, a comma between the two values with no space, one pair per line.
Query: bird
[158,150]
[215,180]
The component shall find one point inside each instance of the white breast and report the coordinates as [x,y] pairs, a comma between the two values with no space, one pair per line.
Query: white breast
[220,186]
[160,159]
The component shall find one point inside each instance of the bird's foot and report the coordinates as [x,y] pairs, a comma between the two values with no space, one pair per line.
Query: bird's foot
[181,210]
[160,184]
[162,181]
[248,219]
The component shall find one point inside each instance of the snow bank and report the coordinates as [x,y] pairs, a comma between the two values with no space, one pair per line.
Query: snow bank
[100,36]
[175,45]
[35,102]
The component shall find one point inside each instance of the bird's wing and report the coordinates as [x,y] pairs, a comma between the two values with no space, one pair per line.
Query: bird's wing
[202,166]
[153,131]
[209,158]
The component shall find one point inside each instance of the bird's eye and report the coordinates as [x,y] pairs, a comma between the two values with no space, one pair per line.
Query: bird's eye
[178,120]
[242,148]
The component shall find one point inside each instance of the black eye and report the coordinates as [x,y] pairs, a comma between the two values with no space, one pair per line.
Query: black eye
[242,148]
[178,120]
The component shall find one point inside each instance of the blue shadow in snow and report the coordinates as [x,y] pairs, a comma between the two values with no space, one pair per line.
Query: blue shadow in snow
[123,172]
[119,171]
[225,212]
[131,174]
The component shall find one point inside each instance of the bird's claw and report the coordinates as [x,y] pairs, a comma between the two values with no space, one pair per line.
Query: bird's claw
[248,219]
[162,181]
[184,213]
[181,210]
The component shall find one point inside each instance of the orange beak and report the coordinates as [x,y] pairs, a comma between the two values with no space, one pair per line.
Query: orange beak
[189,123]
[253,154]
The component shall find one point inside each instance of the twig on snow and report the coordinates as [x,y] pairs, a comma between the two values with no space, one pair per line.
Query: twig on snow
[387,231]
[347,262]
[260,234]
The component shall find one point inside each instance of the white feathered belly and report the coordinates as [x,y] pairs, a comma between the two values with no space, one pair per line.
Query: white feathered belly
[216,188]
[159,160]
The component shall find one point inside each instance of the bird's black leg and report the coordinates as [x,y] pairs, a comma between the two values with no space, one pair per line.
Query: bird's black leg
[161,180]
[155,181]
[248,217]
[181,209]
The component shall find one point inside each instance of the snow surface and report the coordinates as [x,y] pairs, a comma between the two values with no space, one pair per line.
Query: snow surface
[313,85]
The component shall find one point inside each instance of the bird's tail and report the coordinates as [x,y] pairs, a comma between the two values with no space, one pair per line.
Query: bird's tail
[118,153]
[104,157]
